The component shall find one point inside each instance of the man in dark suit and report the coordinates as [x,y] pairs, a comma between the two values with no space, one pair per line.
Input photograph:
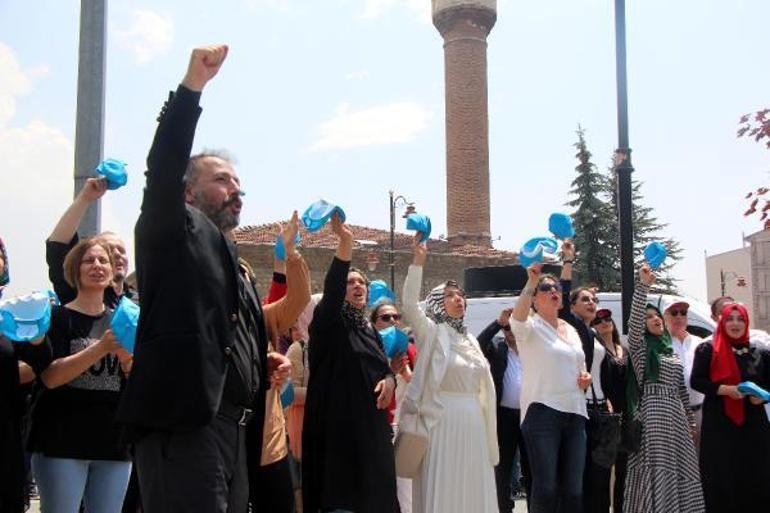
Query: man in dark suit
[503,357]
[201,365]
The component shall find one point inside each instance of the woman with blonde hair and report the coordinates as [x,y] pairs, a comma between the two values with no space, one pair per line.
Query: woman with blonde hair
[76,450]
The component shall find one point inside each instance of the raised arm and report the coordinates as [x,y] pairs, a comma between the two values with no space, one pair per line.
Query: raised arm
[163,215]
[488,334]
[283,313]
[66,227]
[329,308]
[636,321]
[424,329]
[522,306]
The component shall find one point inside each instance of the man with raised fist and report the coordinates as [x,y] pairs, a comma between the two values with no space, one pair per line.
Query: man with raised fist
[201,365]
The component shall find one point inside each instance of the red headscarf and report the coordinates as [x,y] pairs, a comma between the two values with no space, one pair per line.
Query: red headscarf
[724,366]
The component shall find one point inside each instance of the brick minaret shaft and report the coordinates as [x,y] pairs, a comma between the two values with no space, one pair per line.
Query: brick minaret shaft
[465,25]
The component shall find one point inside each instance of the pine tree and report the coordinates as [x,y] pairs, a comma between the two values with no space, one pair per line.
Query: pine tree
[647,228]
[592,220]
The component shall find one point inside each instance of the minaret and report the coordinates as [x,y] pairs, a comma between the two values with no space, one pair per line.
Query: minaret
[465,25]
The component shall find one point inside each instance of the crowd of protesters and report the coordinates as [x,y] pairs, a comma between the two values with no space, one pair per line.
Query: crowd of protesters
[194,419]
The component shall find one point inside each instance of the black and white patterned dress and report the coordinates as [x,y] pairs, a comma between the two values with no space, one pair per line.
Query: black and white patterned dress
[663,474]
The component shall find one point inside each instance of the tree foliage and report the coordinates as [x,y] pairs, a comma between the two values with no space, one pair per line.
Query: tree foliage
[597,238]
[592,220]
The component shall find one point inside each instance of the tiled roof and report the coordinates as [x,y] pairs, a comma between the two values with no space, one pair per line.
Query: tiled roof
[324,238]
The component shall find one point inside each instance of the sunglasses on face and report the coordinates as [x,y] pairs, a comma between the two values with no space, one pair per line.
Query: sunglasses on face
[674,312]
[589,299]
[598,321]
[389,317]
[548,287]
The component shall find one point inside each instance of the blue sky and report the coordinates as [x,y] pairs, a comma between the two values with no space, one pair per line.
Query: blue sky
[344,99]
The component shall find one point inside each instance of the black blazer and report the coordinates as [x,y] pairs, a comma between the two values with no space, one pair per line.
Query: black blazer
[496,352]
[587,334]
[187,272]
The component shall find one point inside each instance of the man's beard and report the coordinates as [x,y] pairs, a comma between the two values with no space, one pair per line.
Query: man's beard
[220,215]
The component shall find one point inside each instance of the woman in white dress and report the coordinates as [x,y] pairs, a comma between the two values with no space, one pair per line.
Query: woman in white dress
[453,390]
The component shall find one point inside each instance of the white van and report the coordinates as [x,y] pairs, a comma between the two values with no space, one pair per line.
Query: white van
[483,310]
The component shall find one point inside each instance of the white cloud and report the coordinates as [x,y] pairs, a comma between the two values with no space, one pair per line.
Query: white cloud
[14,82]
[374,9]
[149,35]
[394,123]
[280,5]
[357,75]
[36,180]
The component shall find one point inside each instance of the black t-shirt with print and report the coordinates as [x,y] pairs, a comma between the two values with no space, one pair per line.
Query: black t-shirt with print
[77,420]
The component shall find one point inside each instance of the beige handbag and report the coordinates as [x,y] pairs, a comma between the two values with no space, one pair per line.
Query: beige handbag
[412,436]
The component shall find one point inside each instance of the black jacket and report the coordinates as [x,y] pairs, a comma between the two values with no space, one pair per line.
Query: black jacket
[587,334]
[187,272]
[496,352]
[347,453]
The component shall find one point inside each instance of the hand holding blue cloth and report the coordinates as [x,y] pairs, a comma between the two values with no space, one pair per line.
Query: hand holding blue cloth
[280,250]
[420,223]
[751,388]
[655,253]
[319,213]
[114,171]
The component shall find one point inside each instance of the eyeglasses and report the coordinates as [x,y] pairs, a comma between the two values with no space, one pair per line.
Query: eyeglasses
[389,317]
[589,299]
[548,287]
[674,312]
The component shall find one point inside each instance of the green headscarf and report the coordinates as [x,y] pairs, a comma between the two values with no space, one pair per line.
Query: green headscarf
[655,345]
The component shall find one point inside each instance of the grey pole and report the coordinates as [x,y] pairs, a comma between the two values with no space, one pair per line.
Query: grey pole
[623,168]
[89,126]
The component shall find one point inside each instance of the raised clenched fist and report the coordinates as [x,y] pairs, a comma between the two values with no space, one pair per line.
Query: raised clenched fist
[204,64]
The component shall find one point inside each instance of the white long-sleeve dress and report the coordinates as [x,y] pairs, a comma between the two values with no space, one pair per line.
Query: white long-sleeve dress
[457,474]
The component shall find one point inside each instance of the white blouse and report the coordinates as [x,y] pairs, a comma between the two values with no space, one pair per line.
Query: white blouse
[550,366]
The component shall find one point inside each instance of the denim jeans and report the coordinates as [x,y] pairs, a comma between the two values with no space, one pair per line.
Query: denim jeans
[63,483]
[556,446]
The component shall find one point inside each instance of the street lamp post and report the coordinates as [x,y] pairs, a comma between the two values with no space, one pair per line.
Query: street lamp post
[624,168]
[410,209]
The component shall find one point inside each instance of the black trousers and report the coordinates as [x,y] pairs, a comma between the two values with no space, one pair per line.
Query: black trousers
[621,467]
[203,470]
[596,479]
[272,489]
[509,440]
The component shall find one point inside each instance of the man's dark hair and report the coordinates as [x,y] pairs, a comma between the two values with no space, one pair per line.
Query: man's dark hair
[573,296]
[718,300]
[194,164]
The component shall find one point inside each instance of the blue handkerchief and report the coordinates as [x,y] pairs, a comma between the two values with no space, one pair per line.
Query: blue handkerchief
[26,318]
[394,341]
[420,223]
[319,213]
[655,253]
[280,251]
[379,290]
[532,250]
[124,321]
[561,226]
[114,171]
